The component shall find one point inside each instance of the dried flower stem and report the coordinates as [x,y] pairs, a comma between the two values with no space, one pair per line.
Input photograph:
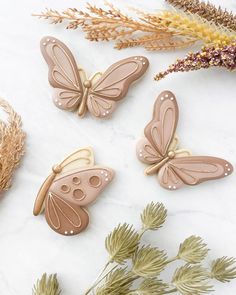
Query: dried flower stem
[207,11]
[12,145]
[208,57]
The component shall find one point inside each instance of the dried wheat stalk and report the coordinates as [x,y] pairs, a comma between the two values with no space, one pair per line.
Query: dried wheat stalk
[11,146]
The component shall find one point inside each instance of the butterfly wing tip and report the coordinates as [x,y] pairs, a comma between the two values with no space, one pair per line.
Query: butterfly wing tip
[113,173]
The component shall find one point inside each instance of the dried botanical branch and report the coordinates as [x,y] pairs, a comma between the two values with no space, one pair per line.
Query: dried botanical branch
[224,57]
[162,31]
[47,285]
[12,145]
[140,274]
[207,11]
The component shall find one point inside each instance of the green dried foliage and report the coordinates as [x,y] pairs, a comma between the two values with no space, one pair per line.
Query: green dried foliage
[122,242]
[151,287]
[118,282]
[47,285]
[134,270]
[223,269]
[148,262]
[193,250]
[153,216]
[190,280]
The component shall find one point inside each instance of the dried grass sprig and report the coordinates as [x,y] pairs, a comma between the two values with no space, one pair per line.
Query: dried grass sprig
[47,285]
[224,57]
[207,11]
[12,140]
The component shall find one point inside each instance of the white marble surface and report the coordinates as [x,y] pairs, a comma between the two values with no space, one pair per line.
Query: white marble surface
[207,126]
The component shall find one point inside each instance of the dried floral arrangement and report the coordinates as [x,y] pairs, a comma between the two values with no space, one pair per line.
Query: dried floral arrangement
[192,22]
[11,146]
[134,268]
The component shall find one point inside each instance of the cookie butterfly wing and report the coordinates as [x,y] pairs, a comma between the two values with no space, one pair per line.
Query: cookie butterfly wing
[82,187]
[113,85]
[192,170]
[81,158]
[63,216]
[147,154]
[161,130]
[63,74]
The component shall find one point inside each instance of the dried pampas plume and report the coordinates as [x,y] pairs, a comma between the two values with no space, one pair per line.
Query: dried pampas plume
[11,145]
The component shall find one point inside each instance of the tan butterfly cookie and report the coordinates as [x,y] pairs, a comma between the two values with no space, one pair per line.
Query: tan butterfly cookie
[73,184]
[99,94]
[175,167]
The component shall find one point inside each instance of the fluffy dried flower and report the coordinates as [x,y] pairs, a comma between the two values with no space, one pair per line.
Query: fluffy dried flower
[192,280]
[193,250]
[148,262]
[47,285]
[151,287]
[224,269]
[153,216]
[117,283]
[11,146]
[121,243]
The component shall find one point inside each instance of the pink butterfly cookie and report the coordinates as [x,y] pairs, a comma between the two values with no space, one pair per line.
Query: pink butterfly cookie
[75,92]
[159,149]
[73,184]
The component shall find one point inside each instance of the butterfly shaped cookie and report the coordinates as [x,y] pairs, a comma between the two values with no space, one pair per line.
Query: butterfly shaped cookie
[159,149]
[75,92]
[75,183]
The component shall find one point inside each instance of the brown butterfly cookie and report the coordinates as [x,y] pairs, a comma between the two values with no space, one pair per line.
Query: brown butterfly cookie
[73,184]
[175,167]
[99,94]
